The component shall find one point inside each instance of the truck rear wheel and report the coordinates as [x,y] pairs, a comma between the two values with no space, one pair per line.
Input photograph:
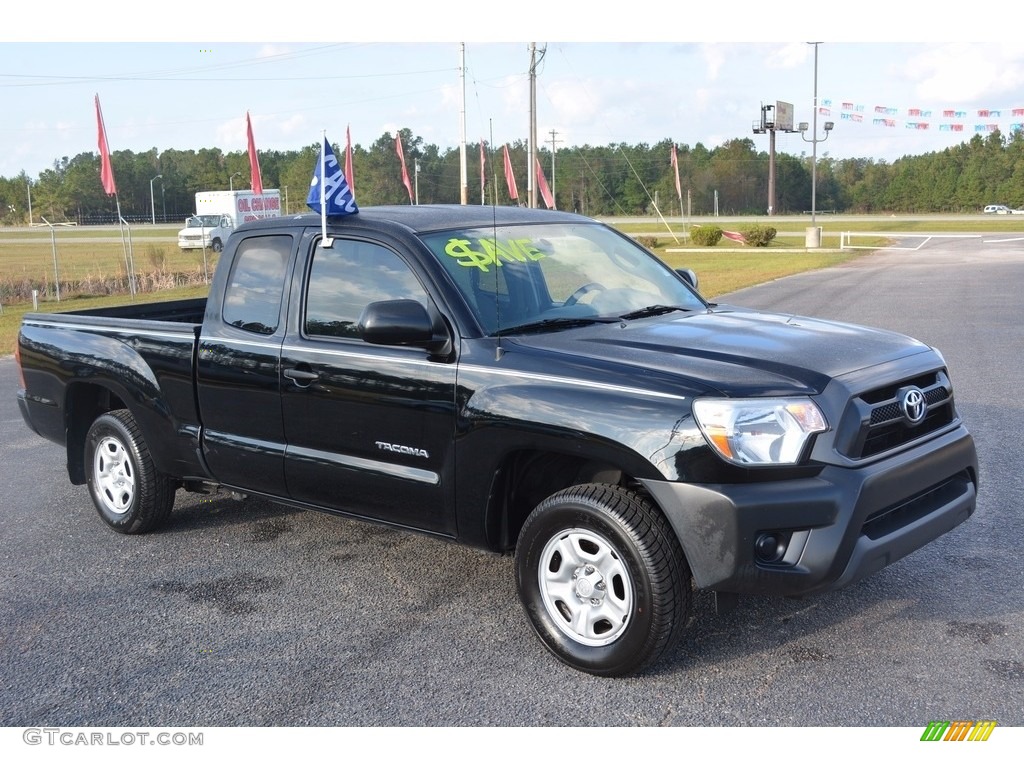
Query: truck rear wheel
[129,493]
[603,579]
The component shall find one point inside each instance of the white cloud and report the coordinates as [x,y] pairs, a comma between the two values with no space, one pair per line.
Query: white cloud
[789,56]
[273,49]
[451,95]
[230,135]
[714,59]
[971,73]
[296,125]
[574,101]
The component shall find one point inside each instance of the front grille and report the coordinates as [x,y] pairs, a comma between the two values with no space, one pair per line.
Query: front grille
[874,422]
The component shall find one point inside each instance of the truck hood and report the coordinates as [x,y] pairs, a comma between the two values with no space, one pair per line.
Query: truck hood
[738,352]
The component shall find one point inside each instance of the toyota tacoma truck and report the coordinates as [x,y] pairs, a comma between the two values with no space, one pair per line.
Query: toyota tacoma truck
[522,381]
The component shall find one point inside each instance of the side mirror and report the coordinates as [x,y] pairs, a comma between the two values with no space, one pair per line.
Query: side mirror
[402,322]
[689,276]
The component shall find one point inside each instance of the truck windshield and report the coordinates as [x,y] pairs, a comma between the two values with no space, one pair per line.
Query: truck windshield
[212,220]
[523,275]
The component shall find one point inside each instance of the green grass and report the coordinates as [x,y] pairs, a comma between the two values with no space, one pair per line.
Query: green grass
[832,226]
[32,259]
[168,232]
[10,319]
[731,270]
[719,272]
[725,268]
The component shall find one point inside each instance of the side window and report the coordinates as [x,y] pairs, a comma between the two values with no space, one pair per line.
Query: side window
[252,300]
[345,278]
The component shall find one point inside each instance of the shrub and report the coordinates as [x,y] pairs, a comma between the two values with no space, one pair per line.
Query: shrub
[19,289]
[706,235]
[647,241]
[157,256]
[758,236]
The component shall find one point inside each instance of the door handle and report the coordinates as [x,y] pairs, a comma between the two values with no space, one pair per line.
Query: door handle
[301,377]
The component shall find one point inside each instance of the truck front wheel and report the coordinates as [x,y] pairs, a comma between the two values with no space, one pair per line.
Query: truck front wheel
[217,246]
[603,579]
[129,493]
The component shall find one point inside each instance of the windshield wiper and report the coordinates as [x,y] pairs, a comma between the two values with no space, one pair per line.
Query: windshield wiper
[652,310]
[552,323]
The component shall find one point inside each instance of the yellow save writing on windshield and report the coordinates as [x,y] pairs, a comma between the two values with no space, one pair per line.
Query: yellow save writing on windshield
[490,252]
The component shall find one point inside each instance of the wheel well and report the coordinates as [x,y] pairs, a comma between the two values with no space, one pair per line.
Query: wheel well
[527,478]
[82,405]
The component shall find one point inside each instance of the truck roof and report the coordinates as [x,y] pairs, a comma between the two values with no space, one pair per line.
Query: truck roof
[424,218]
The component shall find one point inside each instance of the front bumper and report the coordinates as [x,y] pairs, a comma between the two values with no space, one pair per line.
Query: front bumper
[837,527]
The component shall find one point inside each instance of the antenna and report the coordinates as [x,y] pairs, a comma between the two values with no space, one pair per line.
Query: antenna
[498,351]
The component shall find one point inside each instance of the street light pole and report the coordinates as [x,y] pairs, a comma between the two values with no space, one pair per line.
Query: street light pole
[814,232]
[152,200]
[231,180]
[814,141]
[814,145]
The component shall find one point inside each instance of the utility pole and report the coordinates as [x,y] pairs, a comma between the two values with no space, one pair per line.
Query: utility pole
[553,151]
[531,187]
[463,175]
[152,199]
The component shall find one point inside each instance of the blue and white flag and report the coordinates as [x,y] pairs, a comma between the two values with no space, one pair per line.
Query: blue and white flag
[329,178]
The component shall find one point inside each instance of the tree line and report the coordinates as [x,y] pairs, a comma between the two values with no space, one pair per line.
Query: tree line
[618,179]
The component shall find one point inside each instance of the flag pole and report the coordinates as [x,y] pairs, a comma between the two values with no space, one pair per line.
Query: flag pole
[126,246]
[323,197]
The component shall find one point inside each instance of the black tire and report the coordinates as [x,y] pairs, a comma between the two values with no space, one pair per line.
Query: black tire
[603,579]
[129,493]
[217,246]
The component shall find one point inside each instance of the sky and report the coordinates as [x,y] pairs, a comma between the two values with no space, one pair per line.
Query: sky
[187,78]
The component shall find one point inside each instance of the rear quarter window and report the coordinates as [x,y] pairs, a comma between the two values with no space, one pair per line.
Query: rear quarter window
[252,300]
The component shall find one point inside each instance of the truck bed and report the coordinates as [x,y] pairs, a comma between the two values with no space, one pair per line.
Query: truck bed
[122,356]
[188,311]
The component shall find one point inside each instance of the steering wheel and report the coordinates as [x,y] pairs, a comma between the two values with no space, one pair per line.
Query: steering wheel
[582,291]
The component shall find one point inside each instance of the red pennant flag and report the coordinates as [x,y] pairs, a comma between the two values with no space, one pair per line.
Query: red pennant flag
[254,160]
[106,169]
[510,177]
[349,176]
[405,171]
[675,166]
[734,236]
[542,186]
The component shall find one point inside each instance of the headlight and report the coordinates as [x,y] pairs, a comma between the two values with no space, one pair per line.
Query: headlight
[759,431]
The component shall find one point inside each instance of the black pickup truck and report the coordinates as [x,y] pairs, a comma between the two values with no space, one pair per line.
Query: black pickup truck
[520,381]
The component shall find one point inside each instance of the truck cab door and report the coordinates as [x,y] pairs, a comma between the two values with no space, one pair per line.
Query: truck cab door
[238,364]
[370,427]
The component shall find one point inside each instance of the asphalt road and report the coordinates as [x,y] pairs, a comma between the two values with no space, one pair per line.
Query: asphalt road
[244,613]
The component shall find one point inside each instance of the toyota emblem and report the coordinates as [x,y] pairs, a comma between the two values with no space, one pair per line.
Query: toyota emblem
[913,405]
